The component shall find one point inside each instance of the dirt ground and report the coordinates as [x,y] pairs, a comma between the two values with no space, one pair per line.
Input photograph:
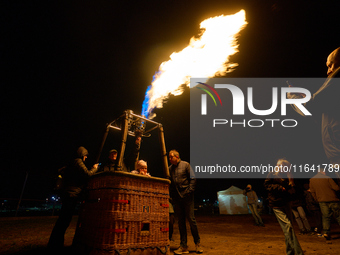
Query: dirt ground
[220,234]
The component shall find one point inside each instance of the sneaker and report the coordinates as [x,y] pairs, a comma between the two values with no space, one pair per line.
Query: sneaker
[199,248]
[327,237]
[182,250]
[319,235]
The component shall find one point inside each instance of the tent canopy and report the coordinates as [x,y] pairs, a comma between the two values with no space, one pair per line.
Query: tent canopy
[232,201]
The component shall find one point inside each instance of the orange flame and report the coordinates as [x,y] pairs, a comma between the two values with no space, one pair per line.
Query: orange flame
[205,56]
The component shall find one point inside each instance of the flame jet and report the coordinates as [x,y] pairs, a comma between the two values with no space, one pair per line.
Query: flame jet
[206,56]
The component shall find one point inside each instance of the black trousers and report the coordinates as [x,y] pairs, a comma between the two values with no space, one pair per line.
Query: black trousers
[67,209]
[184,209]
[171,224]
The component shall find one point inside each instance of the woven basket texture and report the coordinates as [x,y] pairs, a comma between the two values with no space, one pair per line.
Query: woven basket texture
[124,214]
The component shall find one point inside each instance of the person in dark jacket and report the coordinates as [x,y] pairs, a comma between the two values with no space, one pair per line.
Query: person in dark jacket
[298,211]
[278,186]
[314,209]
[182,189]
[252,204]
[326,101]
[74,181]
[111,164]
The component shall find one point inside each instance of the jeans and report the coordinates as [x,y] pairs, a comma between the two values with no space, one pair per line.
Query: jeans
[256,215]
[184,209]
[300,216]
[327,209]
[284,217]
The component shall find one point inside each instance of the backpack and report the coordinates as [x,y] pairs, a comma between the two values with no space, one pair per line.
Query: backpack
[59,179]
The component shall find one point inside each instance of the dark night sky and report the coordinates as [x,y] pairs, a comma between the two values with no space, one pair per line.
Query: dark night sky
[68,68]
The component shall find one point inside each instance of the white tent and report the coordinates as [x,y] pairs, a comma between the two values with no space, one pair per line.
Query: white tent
[232,201]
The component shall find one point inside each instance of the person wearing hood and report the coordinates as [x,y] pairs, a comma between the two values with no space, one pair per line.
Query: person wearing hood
[74,182]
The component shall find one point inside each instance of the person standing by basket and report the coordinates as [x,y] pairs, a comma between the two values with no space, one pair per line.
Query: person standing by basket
[75,179]
[182,189]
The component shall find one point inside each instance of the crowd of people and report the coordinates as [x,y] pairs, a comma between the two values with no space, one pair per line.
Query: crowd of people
[76,174]
[286,197]
[321,196]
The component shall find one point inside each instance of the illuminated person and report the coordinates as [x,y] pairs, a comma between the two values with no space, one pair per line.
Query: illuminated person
[326,101]
[141,168]
[278,187]
[182,189]
[252,204]
[74,181]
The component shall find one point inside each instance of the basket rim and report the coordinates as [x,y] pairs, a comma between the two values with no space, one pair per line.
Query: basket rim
[127,174]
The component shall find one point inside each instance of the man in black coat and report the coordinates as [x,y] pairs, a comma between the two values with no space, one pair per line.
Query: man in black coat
[74,181]
[182,189]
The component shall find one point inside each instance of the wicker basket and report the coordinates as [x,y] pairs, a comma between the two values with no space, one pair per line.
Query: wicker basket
[124,214]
